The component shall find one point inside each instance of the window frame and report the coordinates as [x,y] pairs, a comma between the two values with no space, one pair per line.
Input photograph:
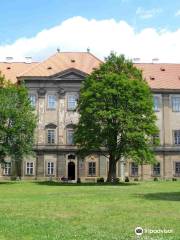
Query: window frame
[93,168]
[156,107]
[7,169]
[68,130]
[30,168]
[176,107]
[177,173]
[156,169]
[70,108]
[176,140]
[35,99]
[50,168]
[132,169]
[54,136]
[48,101]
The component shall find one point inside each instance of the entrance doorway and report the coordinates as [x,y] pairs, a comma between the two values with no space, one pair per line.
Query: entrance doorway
[71,171]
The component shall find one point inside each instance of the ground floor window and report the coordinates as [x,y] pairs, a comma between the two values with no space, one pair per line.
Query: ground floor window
[156,169]
[134,169]
[92,168]
[50,168]
[177,168]
[29,168]
[7,168]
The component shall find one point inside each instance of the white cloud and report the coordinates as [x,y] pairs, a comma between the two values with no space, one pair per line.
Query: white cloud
[146,14]
[101,36]
[177,13]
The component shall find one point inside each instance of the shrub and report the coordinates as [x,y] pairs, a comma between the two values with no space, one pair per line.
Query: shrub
[155,179]
[126,179]
[174,179]
[100,180]
[136,179]
[116,180]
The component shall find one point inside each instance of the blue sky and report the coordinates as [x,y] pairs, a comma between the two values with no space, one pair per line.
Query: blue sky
[21,19]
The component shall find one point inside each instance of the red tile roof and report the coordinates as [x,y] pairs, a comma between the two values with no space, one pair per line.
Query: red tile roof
[82,61]
[159,76]
[12,70]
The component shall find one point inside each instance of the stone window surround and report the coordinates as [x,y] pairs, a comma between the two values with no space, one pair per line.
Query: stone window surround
[173,137]
[153,172]
[91,159]
[176,174]
[54,167]
[33,168]
[130,170]
[7,169]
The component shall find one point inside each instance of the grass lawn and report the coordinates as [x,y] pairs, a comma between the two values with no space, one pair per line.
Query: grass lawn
[42,211]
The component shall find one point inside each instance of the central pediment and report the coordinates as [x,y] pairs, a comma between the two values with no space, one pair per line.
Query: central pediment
[69,74]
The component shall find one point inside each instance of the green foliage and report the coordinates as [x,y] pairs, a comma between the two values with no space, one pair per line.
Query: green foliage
[116,113]
[17,122]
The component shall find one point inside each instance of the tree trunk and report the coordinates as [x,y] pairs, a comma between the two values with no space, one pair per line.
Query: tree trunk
[112,169]
[18,164]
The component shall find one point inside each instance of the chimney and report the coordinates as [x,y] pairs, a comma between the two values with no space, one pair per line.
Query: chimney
[136,60]
[9,59]
[155,60]
[28,59]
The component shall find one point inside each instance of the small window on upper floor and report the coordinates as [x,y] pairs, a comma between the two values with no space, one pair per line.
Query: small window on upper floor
[51,101]
[156,104]
[71,102]
[175,104]
[32,98]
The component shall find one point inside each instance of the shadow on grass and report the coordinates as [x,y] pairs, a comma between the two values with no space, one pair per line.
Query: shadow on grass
[166,196]
[51,183]
[9,182]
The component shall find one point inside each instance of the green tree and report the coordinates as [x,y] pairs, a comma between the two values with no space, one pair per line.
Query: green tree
[17,124]
[116,114]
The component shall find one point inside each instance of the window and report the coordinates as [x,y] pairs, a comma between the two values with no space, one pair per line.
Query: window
[72,102]
[156,104]
[177,137]
[176,104]
[70,136]
[156,169]
[32,99]
[7,168]
[92,168]
[134,169]
[51,101]
[29,168]
[51,136]
[177,168]
[50,168]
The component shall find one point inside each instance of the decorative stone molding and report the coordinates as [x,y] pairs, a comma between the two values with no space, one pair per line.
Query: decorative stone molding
[61,92]
[41,92]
